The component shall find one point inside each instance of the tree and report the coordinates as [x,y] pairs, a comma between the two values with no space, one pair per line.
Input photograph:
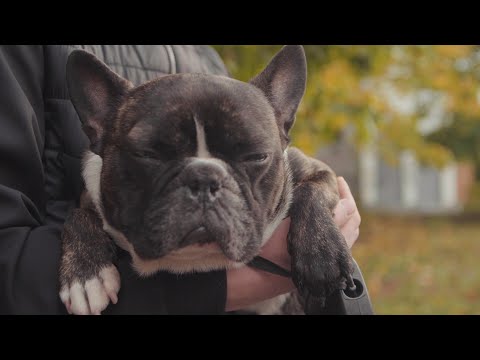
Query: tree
[348,87]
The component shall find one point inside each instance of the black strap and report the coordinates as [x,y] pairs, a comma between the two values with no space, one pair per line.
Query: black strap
[263,264]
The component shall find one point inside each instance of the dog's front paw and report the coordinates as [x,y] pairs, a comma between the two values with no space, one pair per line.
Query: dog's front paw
[90,296]
[322,267]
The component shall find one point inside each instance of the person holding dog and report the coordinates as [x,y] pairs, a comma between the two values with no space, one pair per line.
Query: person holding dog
[41,144]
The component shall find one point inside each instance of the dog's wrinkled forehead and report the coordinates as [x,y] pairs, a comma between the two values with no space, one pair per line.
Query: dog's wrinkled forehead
[109,106]
[171,109]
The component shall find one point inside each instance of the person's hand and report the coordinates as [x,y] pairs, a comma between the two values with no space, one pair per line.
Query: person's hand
[346,217]
[247,286]
[346,213]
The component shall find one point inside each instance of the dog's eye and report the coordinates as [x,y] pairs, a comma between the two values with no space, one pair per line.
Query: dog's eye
[256,157]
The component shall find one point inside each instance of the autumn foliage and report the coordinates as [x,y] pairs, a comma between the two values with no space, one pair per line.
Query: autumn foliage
[350,88]
[412,264]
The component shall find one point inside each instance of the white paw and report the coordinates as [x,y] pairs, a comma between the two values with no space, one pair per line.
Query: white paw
[94,295]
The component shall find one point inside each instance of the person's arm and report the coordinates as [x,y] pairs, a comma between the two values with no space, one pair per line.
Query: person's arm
[247,286]
[29,248]
[29,252]
[216,292]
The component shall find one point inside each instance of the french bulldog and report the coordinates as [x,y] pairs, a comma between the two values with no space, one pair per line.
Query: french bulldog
[191,173]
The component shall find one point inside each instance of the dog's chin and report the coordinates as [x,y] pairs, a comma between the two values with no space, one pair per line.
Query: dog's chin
[200,244]
[191,258]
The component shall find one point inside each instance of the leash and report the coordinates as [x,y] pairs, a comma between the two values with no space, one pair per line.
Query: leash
[263,264]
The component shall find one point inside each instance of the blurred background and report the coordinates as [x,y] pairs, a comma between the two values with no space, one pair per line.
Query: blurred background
[402,125]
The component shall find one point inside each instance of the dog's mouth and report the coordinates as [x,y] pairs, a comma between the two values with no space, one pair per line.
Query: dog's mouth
[198,236]
[200,249]
[202,241]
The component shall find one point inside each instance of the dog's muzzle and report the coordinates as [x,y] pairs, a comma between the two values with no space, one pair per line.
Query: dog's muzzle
[204,178]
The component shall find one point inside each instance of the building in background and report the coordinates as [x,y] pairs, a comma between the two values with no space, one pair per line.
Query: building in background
[407,187]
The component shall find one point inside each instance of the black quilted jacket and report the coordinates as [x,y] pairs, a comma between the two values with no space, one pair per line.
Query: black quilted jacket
[41,143]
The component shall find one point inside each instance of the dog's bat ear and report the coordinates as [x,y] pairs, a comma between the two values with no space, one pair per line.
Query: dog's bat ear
[94,90]
[283,82]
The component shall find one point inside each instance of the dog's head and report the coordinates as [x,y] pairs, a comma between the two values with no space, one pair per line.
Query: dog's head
[188,170]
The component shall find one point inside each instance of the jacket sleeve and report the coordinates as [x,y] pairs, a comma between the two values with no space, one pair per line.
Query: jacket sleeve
[164,293]
[29,252]
[29,249]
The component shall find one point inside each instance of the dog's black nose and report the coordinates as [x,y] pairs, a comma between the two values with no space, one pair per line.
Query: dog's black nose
[204,178]
[210,184]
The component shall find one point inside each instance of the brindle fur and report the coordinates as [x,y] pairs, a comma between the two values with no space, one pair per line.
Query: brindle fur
[86,248]
[321,259]
[147,139]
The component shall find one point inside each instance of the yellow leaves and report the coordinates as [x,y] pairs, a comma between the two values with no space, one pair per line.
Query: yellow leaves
[453,51]
[441,81]
[339,82]
[400,128]
[464,99]
[397,135]
[434,154]
[376,103]
[336,96]
[306,142]
[338,122]
[465,106]
[337,76]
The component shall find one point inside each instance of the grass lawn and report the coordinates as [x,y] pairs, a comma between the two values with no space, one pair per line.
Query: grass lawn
[420,265]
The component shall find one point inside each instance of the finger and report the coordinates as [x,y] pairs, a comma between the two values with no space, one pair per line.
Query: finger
[344,211]
[344,189]
[352,237]
[79,300]
[346,206]
[351,229]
